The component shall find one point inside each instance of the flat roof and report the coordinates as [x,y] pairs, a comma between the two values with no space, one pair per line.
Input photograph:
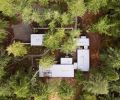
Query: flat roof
[37,39]
[22,32]
[58,70]
[66,60]
[83,59]
[83,41]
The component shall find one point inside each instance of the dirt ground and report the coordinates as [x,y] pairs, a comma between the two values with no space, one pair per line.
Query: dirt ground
[95,46]
[54,96]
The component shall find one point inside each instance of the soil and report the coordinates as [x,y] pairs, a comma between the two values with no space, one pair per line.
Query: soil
[95,45]
[54,96]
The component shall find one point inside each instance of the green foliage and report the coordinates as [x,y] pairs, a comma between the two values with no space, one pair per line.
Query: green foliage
[44,2]
[26,14]
[115,86]
[4,60]
[39,91]
[3,35]
[77,8]
[65,91]
[47,61]
[114,16]
[95,5]
[103,27]
[15,85]
[53,85]
[19,85]
[89,97]
[114,58]
[3,24]
[69,46]
[80,77]
[52,24]
[54,40]
[96,84]
[17,49]
[111,64]
[5,90]
[3,32]
[30,15]
[7,7]
[109,73]
[110,96]
[75,33]
[65,19]
[114,7]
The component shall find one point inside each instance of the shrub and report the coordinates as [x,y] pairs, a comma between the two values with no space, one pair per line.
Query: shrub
[89,97]
[66,19]
[17,49]
[103,27]
[69,46]
[77,8]
[75,33]
[95,5]
[80,77]
[54,40]
[114,58]
[3,32]
[109,73]
[4,60]
[39,91]
[3,35]
[96,84]
[65,91]
[47,61]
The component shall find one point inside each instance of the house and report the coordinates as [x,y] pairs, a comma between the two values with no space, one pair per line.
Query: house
[67,66]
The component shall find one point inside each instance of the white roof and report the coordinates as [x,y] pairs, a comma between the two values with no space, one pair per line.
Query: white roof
[36,39]
[83,59]
[83,41]
[75,65]
[66,61]
[58,70]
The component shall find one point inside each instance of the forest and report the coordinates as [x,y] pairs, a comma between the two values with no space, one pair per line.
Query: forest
[99,20]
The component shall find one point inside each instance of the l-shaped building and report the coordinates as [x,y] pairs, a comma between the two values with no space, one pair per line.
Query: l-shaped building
[66,67]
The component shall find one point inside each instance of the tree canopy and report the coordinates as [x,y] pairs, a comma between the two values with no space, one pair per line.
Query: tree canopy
[17,49]
[97,84]
[53,40]
[47,61]
[95,5]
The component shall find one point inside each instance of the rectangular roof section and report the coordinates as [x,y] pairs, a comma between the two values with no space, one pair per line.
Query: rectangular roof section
[83,59]
[37,39]
[57,70]
[83,41]
[66,61]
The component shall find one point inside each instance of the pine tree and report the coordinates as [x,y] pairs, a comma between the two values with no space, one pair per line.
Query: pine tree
[96,84]
[17,49]
[46,61]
